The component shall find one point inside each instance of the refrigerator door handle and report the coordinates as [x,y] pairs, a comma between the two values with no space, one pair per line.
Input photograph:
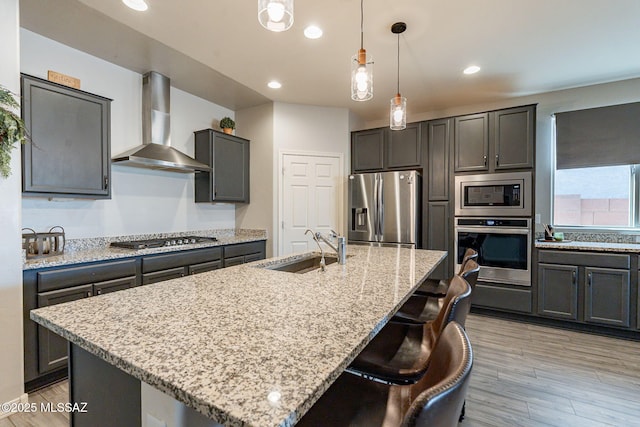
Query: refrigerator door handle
[380,209]
[375,207]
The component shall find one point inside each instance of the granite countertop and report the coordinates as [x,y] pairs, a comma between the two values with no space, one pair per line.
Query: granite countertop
[98,249]
[589,246]
[221,341]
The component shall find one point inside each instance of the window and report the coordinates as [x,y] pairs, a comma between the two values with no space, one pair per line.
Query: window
[595,179]
[594,197]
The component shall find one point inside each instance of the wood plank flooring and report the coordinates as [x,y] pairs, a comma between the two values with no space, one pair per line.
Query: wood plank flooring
[523,375]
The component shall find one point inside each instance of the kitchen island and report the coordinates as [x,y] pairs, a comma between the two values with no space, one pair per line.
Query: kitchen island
[243,346]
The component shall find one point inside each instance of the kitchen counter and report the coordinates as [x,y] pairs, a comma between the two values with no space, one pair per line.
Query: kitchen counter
[98,249]
[222,341]
[590,246]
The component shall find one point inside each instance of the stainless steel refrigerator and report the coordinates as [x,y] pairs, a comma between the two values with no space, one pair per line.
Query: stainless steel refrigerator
[385,207]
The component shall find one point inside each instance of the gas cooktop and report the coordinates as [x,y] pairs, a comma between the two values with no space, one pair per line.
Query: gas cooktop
[158,243]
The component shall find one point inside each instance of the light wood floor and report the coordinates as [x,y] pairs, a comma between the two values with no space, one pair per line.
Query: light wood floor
[523,375]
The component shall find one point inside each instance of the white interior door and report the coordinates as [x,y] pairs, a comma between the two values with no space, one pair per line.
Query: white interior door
[311,198]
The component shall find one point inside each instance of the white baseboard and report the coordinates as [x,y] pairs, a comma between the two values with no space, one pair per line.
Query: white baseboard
[22,399]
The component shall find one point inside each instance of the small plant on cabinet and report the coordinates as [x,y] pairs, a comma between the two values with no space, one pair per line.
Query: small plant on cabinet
[12,129]
[227,125]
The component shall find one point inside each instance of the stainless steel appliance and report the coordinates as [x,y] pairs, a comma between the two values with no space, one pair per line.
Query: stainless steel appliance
[157,243]
[499,194]
[385,207]
[503,245]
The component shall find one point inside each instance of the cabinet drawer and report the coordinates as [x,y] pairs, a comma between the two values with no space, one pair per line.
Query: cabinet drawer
[180,259]
[114,285]
[205,266]
[243,249]
[584,258]
[237,260]
[159,276]
[72,276]
[254,257]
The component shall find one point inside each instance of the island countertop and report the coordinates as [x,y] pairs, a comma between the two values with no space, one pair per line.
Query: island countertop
[222,341]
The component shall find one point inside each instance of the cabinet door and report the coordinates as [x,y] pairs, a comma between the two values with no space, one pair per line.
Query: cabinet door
[514,131]
[471,143]
[607,296]
[205,266]
[114,285]
[162,275]
[52,348]
[438,142]
[367,150]
[438,236]
[558,291]
[231,169]
[404,148]
[70,130]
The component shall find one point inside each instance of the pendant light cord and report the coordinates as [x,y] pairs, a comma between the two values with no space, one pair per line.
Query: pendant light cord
[361,24]
[398,92]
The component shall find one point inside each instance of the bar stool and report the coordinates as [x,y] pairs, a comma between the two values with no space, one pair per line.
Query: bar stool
[439,394]
[400,352]
[422,309]
[438,288]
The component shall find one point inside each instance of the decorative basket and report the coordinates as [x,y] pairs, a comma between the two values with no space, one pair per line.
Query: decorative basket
[39,245]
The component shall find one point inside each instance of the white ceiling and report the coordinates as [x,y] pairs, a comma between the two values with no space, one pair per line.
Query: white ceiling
[218,50]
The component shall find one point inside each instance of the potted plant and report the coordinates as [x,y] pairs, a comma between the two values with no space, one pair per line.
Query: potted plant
[12,129]
[227,125]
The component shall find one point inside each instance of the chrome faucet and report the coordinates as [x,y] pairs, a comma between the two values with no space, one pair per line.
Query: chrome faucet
[323,264]
[340,249]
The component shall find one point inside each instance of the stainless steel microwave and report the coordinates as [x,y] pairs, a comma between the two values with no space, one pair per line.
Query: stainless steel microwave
[503,194]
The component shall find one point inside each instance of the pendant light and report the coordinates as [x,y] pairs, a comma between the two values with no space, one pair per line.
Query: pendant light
[398,111]
[361,69]
[275,15]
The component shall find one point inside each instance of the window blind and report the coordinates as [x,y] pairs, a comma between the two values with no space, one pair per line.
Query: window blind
[605,136]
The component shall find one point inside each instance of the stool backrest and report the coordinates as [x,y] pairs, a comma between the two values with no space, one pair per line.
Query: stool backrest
[441,392]
[470,272]
[455,306]
[469,254]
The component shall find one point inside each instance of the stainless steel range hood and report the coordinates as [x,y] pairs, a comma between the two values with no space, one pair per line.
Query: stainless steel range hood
[156,151]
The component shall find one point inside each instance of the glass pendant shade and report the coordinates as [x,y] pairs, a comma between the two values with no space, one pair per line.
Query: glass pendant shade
[275,15]
[361,76]
[398,113]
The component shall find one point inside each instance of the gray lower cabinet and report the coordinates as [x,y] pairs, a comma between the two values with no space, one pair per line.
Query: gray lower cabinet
[438,237]
[558,291]
[157,268]
[242,253]
[69,153]
[585,287]
[52,348]
[228,157]
[607,296]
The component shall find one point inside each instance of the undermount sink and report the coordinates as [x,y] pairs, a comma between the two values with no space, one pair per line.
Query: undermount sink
[301,266]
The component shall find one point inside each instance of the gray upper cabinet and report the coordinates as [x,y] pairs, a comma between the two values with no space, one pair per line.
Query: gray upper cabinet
[513,137]
[69,152]
[472,142]
[384,149]
[367,150]
[404,148]
[437,136]
[494,141]
[228,156]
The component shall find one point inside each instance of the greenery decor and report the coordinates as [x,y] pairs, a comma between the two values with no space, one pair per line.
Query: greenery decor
[227,123]
[12,129]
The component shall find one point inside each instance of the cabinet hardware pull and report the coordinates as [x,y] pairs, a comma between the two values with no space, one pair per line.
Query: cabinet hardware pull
[106,182]
[573,277]
[99,292]
[497,159]
[485,160]
[590,278]
[89,294]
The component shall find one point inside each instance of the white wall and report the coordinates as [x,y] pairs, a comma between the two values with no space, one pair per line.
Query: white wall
[143,201]
[11,365]
[256,124]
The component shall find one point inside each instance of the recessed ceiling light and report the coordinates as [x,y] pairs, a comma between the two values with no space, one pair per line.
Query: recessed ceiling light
[313,32]
[472,69]
[274,84]
[139,5]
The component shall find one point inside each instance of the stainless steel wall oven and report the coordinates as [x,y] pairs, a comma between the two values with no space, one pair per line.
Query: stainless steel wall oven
[503,245]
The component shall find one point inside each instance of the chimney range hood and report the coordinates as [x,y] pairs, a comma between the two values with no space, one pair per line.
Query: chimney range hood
[156,151]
